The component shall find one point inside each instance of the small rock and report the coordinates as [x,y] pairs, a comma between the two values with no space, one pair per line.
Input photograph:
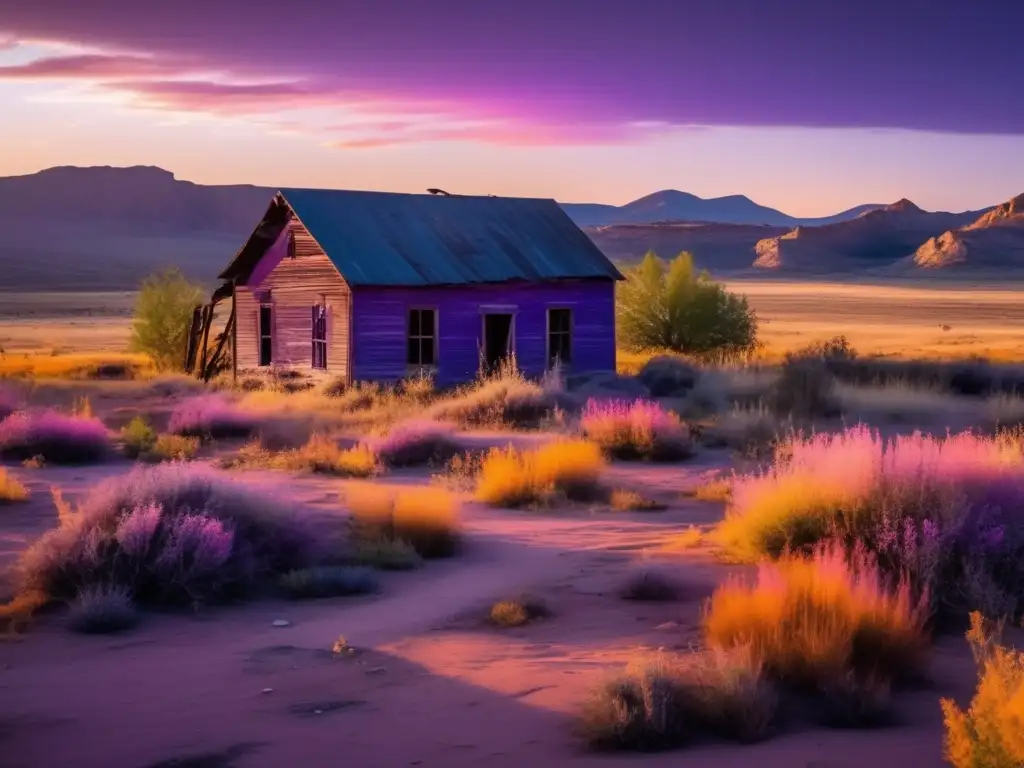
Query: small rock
[318,711]
[268,690]
[282,623]
[668,625]
[376,670]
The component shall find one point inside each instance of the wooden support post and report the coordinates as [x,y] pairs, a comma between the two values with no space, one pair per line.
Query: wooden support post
[207,322]
[193,339]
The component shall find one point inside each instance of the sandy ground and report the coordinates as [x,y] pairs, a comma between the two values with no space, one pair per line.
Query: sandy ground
[431,684]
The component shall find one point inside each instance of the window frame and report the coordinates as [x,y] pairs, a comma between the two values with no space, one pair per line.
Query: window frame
[569,333]
[433,336]
[265,334]
[320,342]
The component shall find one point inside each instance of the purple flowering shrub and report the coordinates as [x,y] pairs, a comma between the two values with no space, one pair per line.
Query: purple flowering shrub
[946,513]
[170,534]
[416,442]
[211,416]
[636,430]
[57,437]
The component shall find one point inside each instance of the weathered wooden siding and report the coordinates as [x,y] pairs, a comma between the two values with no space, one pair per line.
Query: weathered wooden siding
[294,284]
[379,326]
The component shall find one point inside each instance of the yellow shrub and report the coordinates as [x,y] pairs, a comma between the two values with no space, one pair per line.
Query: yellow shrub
[512,478]
[175,448]
[990,734]
[10,488]
[817,620]
[428,519]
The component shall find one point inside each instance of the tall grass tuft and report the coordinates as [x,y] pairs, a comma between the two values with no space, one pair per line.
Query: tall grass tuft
[945,512]
[10,488]
[512,478]
[55,437]
[505,398]
[416,442]
[991,732]
[819,621]
[427,519]
[211,416]
[137,438]
[636,430]
[103,609]
[668,701]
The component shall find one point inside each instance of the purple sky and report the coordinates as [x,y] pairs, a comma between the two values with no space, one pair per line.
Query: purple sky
[461,78]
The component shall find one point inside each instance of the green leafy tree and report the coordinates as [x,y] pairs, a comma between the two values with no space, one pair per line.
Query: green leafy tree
[676,308]
[163,315]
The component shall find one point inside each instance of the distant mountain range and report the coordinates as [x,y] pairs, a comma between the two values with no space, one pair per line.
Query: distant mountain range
[673,205]
[105,229]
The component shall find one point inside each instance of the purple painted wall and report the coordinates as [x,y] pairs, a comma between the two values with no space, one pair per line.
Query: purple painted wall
[379,318]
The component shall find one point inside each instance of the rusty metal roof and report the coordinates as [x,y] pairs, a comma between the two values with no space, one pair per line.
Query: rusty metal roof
[383,238]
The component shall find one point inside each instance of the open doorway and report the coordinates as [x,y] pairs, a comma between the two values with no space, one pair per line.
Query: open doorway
[499,339]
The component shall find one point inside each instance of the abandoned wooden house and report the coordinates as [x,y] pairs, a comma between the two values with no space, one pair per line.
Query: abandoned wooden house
[380,286]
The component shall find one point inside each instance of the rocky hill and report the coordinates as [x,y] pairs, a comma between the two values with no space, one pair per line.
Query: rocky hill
[873,239]
[719,248]
[994,240]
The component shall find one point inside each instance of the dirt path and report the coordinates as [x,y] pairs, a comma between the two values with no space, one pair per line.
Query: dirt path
[430,684]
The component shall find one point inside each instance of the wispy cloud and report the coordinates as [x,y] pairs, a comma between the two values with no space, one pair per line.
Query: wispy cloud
[533,70]
[363,120]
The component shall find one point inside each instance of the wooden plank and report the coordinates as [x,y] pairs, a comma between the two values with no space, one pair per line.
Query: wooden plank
[294,284]
[378,336]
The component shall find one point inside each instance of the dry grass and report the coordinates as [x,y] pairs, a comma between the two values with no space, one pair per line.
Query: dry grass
[427,519]
[636,430]
[511,478]
[990,734]
[518,611]
[668,701]
[691,538]
[174,448]
[460,471]
[10,489]
[752,431]
[105,365]
[416,442]
[817,623]
[103,610]
[506,399]
[631,501]
[320,454]
[718,489]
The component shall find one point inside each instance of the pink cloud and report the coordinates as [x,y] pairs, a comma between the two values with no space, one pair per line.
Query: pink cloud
[90,67]
[218,98]
[366,119]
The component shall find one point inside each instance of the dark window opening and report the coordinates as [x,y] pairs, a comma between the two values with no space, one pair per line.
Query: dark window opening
[559,336]
[291,245]
[498,339]
[320,336]
[266,330]
[422,338]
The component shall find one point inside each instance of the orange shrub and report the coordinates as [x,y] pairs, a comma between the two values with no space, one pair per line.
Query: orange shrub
[815,621]
[991,731]
[512,478]
[428,519]
[10,488]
